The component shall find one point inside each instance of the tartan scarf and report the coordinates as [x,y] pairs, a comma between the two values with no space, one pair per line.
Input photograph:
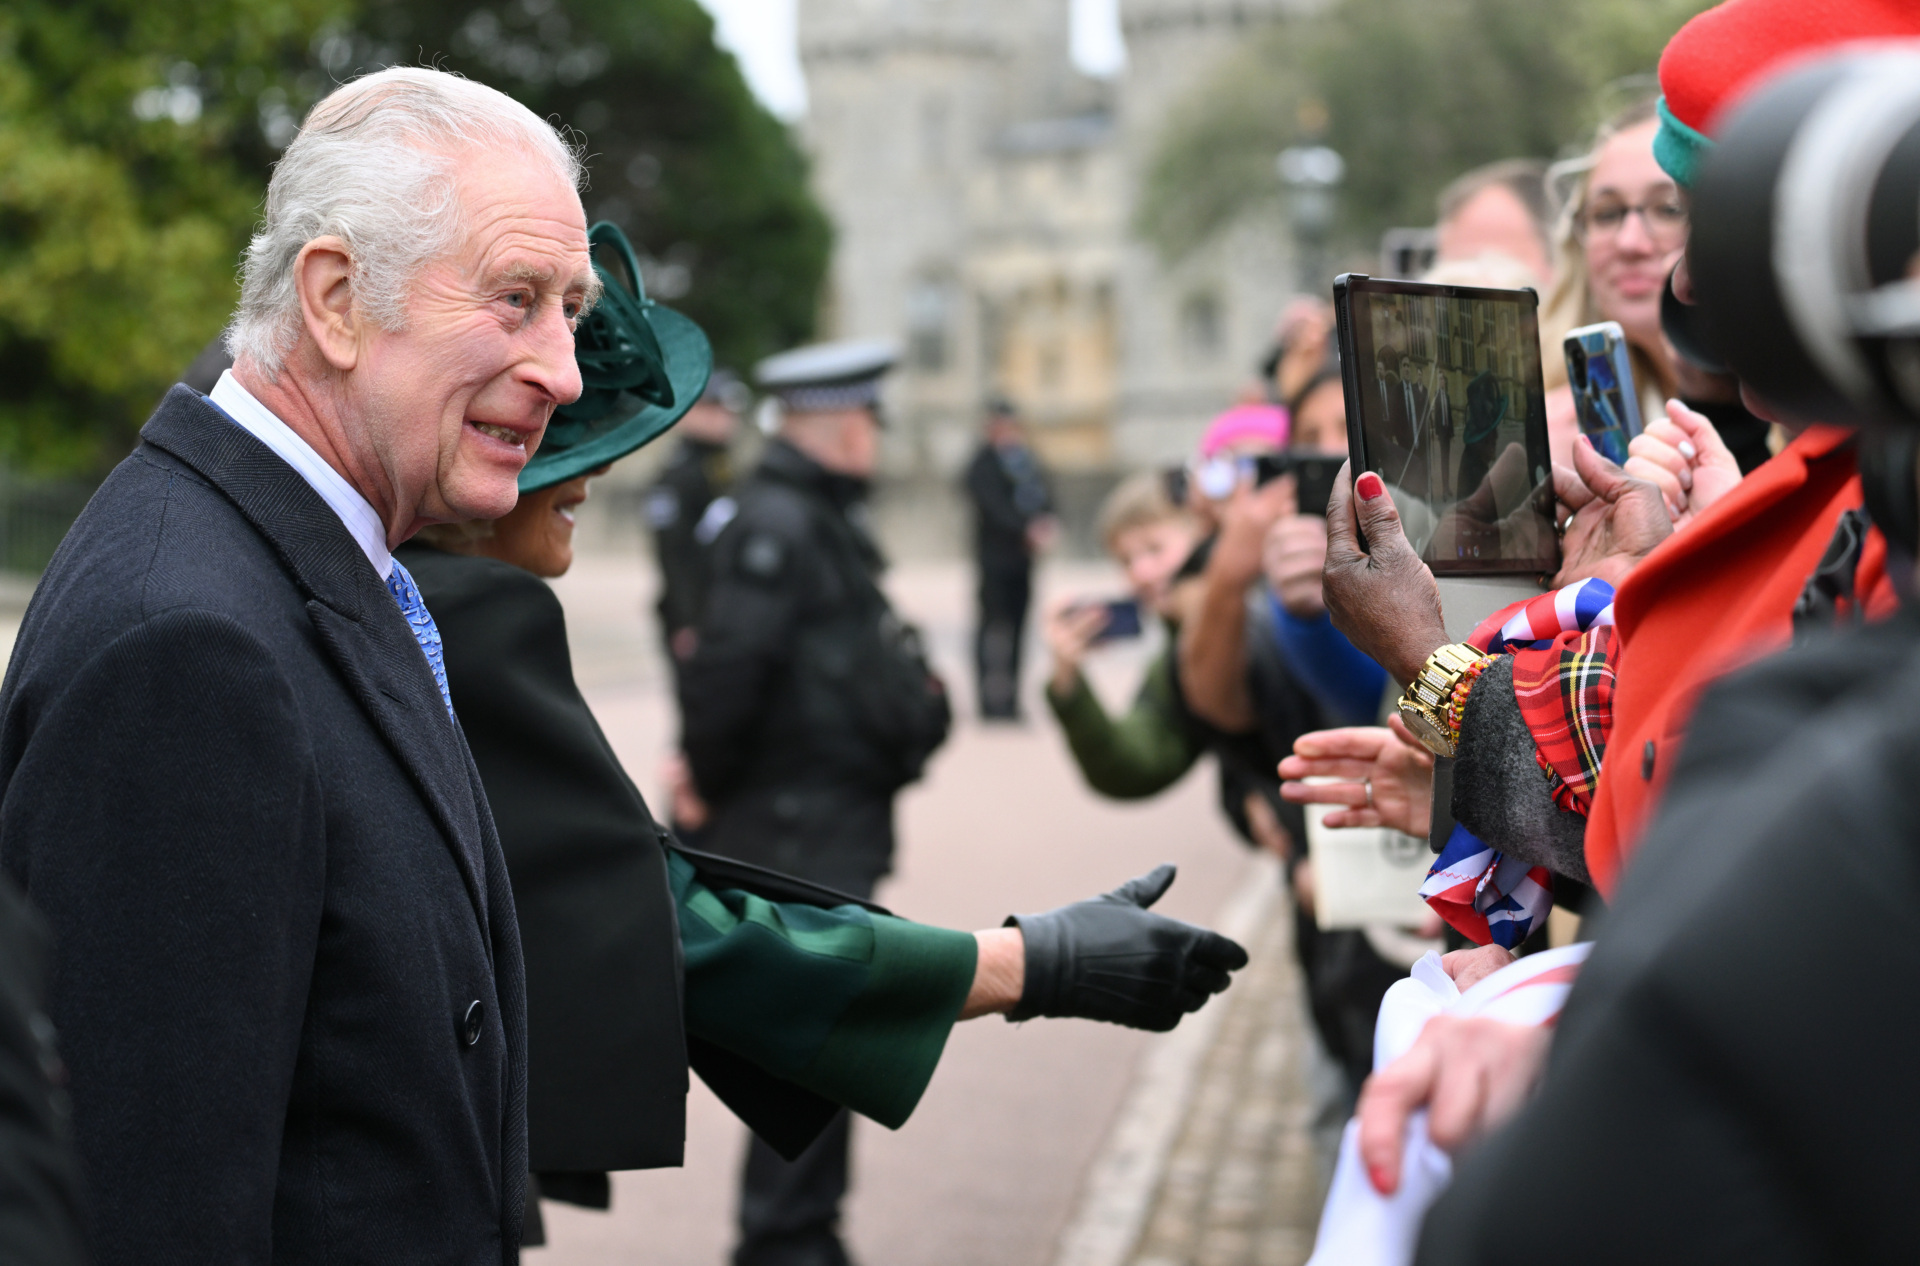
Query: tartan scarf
[1563,683]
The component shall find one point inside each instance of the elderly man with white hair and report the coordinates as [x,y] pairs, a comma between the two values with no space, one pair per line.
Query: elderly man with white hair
[288,979]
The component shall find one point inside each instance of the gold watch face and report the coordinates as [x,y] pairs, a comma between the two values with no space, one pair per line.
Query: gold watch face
[1428,729]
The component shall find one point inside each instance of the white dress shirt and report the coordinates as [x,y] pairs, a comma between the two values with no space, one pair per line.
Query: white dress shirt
[354,511]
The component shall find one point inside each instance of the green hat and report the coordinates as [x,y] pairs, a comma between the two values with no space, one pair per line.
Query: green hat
[641,367]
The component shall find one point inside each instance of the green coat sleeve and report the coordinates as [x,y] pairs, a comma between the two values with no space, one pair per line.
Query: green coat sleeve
[850,1005]
[1141,754]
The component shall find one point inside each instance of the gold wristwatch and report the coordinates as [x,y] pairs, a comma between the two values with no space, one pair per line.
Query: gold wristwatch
[1425,705]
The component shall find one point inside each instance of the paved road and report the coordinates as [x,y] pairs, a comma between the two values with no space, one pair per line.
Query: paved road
[989,1170]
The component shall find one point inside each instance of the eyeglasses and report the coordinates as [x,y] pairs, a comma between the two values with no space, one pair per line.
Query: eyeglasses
[1665,222]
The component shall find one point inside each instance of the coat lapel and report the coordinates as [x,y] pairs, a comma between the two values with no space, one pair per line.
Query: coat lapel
[355,616]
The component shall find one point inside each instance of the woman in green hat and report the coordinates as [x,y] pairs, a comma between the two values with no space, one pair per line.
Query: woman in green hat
[643,956]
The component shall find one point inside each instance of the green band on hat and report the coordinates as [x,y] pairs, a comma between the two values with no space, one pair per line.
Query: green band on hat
[1678,148]
[641,367]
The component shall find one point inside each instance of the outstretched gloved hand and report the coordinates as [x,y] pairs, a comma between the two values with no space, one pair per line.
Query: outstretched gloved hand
[1111,958]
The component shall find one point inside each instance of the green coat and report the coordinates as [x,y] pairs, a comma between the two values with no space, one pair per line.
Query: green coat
[632,956]
[1138,755]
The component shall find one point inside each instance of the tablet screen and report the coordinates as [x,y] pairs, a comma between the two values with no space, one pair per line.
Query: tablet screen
[1444,402]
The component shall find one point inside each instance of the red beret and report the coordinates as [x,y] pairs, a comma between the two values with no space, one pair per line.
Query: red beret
[1712,58]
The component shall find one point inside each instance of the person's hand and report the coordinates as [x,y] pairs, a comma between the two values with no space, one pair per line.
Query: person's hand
[1245,519]
[1386,776]
[1470,1074]
[1469,967]
[684,804]
[1111,958]
[1616,520]
[1070,628]
[1293,558]
[1384,600]
[1683,455]
[1042,533]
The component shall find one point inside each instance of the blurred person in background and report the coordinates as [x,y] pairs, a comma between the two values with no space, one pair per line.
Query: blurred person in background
[1151,746]
[1621,229]
[1248,703]
[1498,211]
[1302,341]
[1348,686]
[1012,522]
[688,505]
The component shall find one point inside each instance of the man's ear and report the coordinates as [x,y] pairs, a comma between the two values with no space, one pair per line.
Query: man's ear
[323,278]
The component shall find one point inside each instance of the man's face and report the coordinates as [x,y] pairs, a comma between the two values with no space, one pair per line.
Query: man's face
[453,405]
[844,441]
[1493,221]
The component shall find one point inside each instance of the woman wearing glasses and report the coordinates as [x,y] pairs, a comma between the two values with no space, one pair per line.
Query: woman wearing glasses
[1621,229]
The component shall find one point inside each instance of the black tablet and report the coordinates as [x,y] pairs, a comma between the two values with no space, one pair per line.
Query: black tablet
[1444,402]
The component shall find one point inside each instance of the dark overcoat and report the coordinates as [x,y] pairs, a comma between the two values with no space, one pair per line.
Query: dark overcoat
[287,979]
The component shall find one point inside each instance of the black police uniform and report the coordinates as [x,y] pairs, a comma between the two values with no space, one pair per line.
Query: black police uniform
[805,708]
[1008,494]
[686,509]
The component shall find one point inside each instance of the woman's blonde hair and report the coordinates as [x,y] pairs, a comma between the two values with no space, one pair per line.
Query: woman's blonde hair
[1569,301]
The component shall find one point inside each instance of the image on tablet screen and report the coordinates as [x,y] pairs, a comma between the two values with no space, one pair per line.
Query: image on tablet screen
[1453,418]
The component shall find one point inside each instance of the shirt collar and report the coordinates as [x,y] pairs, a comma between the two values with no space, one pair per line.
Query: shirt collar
[258,421]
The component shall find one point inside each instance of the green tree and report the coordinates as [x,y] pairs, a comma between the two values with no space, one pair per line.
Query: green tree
[134,139]
[1410,92]
[709,186]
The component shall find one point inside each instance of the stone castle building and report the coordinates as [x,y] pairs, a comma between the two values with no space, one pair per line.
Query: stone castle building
[983,193]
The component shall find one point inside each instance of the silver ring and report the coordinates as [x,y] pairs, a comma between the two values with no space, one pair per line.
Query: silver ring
[1369,784]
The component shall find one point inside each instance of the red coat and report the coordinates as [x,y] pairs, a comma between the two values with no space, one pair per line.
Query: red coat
[1714,597]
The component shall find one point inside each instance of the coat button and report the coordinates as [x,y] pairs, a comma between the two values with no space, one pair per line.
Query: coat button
[470,1027]
[1646,763]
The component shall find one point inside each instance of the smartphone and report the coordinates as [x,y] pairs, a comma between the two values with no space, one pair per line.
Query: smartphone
[1175,480]
[1123,619]
[1445,403]
[1313,473]
[1600,371]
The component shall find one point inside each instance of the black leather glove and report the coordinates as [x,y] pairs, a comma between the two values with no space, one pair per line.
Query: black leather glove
[1110,958]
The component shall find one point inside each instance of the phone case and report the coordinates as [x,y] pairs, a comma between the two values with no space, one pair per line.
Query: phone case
[1600,371]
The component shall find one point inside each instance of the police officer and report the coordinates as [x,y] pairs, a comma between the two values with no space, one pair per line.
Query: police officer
[1013,520]
[806,706]
[687,508]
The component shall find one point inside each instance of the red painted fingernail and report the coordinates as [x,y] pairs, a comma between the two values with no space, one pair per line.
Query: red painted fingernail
[1369,486]
[1382,1180]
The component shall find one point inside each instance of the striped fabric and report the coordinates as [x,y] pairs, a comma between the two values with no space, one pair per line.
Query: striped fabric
[1538,622]
[1485,896]
[1563,682]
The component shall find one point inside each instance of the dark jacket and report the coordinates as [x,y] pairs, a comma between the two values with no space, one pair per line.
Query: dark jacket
[779,701]
[1008,493]
[288,983]
[1732,1078]
[40,1210]
[677,510]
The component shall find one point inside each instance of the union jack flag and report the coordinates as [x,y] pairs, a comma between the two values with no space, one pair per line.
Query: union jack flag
[1485,895]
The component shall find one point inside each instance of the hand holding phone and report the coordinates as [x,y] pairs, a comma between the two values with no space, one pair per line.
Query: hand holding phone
[1605,399]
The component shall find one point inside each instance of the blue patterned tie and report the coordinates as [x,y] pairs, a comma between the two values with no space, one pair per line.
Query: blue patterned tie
[425,631]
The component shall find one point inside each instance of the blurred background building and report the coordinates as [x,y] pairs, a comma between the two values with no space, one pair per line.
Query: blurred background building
[983,192]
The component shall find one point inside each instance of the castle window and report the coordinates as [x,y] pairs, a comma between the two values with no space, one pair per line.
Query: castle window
[929,318]
[1201,335]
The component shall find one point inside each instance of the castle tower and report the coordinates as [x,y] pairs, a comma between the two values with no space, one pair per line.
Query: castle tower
[906,100]
[1193,331]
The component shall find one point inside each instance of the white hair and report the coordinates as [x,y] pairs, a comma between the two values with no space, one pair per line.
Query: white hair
[375,165]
